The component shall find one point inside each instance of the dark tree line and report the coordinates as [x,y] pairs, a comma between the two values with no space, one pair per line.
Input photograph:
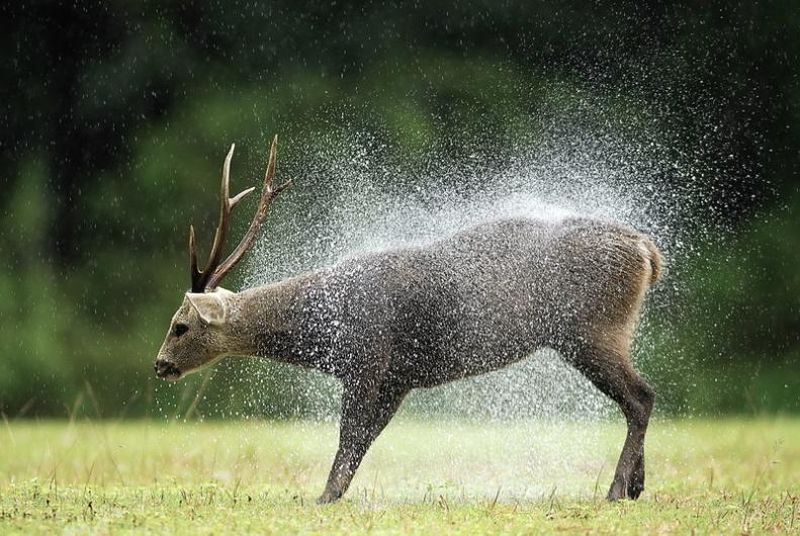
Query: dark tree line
[102,103]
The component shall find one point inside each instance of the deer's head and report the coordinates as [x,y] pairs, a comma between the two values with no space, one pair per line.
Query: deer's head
[201,331]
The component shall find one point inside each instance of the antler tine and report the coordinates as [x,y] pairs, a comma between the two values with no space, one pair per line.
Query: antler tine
[270,174]
[241,195]
[226,204]
[197,282]
[268,194]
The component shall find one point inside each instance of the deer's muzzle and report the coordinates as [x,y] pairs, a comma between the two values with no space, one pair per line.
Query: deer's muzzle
[167,370]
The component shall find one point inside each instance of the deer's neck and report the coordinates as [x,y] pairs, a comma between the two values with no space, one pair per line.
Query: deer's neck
[268,320]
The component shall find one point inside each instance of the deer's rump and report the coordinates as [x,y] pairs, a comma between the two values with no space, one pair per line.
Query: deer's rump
[485,297]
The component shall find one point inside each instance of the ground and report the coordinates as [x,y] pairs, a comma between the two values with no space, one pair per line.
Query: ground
[710,476]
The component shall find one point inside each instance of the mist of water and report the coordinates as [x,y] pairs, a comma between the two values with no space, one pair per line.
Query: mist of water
[357,197]
[354,194]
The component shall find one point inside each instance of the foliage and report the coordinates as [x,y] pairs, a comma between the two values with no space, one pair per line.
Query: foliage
[115,114]
[739,324]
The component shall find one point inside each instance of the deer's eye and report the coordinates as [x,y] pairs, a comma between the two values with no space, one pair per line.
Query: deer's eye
[180,329]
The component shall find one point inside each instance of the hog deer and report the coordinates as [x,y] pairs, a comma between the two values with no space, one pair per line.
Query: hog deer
[388,322]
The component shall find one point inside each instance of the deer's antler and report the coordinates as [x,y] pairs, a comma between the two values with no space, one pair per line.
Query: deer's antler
[216,269]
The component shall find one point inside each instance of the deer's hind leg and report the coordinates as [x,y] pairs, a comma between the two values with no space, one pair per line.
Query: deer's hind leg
[609,368]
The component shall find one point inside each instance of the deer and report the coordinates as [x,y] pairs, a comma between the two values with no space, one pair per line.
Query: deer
[384,323]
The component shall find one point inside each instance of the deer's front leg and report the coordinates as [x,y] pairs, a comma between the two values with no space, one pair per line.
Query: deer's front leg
[364,415]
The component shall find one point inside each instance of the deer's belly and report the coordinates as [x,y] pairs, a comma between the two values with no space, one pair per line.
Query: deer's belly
[430,371]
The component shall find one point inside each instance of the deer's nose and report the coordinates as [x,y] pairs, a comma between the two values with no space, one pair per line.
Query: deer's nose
[166,369]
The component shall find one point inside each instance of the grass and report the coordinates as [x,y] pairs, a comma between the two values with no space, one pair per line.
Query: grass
[715,476]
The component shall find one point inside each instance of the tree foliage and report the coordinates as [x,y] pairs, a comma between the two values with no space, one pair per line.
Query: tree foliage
[114,112]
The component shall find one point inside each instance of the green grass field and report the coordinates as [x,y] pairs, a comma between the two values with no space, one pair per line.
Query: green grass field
[712,476]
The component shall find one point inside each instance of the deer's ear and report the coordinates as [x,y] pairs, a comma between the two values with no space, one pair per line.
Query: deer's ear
[211,306]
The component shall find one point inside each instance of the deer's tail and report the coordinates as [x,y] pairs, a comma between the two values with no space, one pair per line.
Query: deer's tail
[653,256]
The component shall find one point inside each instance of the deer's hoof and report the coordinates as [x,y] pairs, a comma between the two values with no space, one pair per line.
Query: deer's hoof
[328,497]
[622,490]
[618,490]
[635,489]
[615,493]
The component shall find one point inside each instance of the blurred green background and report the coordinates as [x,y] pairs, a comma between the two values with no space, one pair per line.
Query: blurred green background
[116,117]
